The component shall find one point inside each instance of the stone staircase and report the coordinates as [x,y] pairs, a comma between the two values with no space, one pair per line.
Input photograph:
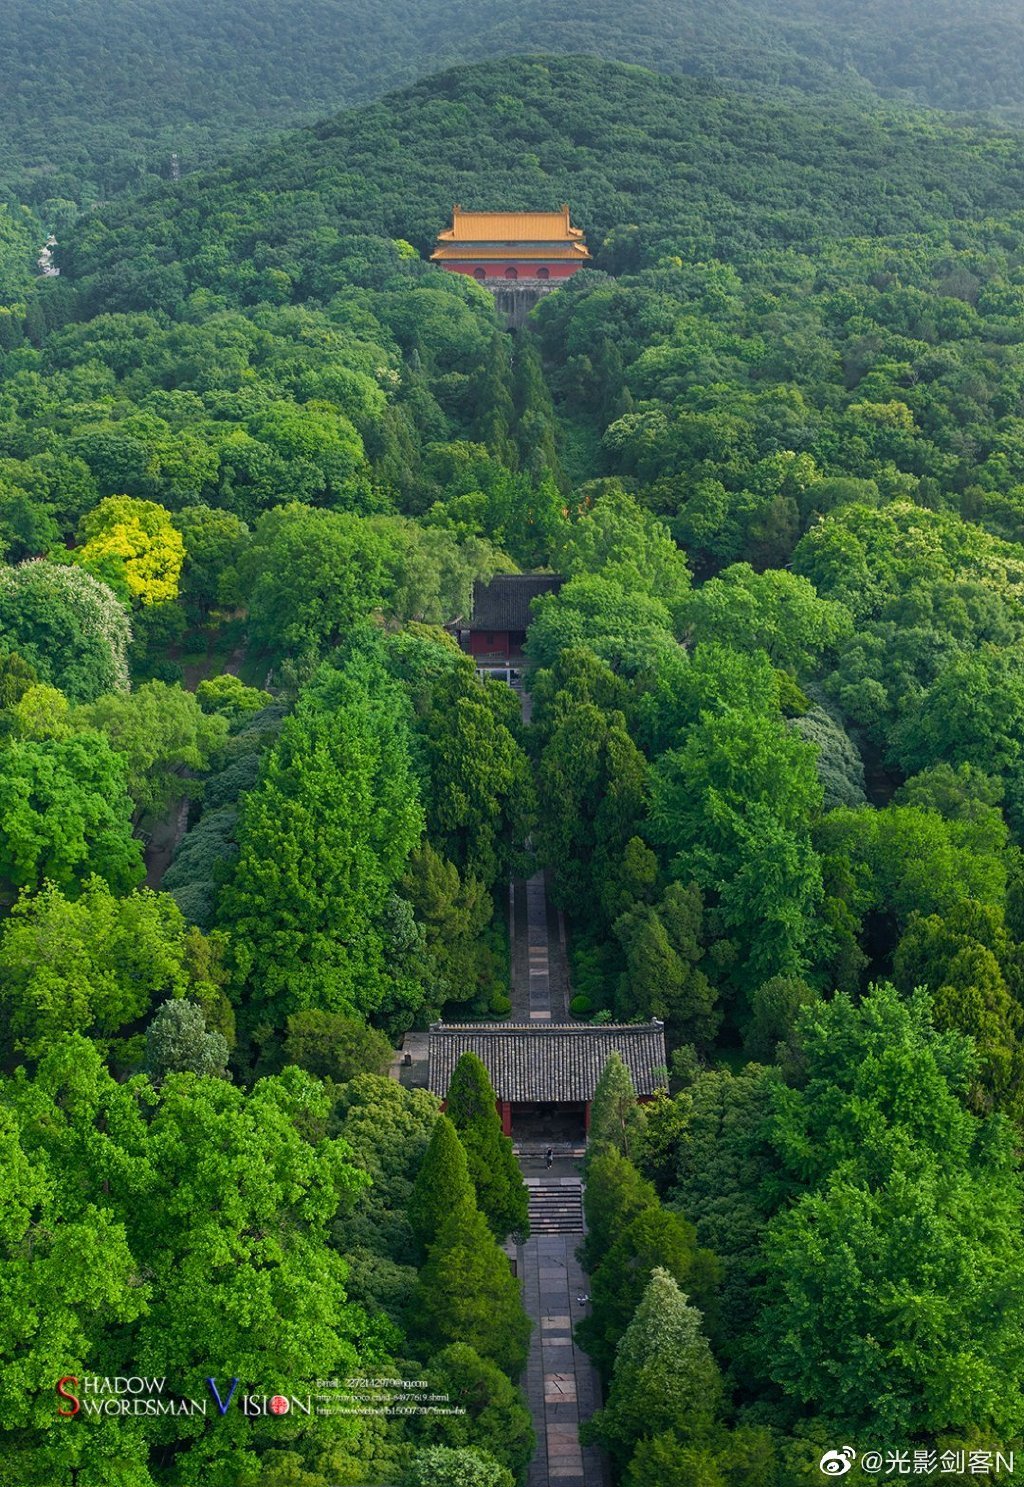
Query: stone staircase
[556,1205]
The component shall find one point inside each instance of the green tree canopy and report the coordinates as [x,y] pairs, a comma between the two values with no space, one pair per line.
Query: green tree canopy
[66,815]
[734,805]
[161,731]
[311,575]
[185,1249]
[663,946]
[777,612]
[90,964]
[453,913]
[388,1129]
[617,539]
[335,1047]
[725,1181]
[655,1237]
[214,543]
[322,840]
[479,794]
[590,786]
[904,1231]
[628,631]
[962,959]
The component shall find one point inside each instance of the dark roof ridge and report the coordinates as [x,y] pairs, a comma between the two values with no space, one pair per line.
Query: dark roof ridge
[546,1027]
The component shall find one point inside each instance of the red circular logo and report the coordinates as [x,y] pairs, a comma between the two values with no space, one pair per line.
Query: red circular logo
[279,1405]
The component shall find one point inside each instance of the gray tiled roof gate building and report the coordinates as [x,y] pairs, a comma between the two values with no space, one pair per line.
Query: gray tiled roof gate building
[553,1063]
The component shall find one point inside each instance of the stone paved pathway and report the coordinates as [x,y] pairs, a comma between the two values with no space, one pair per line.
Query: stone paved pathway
[539,964]
[561,1384]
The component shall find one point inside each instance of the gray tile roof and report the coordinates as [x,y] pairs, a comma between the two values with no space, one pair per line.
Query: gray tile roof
[553,1062]
[504,603]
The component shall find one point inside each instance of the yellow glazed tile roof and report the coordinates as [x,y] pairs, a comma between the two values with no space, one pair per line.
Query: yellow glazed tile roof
[486,227]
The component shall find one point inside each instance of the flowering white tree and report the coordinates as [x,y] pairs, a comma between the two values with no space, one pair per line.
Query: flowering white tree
[68,625]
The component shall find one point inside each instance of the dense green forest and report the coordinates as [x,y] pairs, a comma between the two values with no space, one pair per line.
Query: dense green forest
[99,96]
[254,452]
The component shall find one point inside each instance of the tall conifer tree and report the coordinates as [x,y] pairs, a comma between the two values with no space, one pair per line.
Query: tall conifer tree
[616,1119]
[665,1377]
[500,1190]
[467,1293]
[442,1183]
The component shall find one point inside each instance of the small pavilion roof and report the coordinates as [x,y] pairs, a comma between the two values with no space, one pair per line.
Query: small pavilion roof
[557,1063]
[504,603]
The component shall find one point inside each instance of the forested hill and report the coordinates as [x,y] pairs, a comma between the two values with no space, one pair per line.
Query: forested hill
[653,165]
[255,451]
[98,94]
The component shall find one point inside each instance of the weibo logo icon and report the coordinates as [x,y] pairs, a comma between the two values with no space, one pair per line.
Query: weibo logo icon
[837,1463]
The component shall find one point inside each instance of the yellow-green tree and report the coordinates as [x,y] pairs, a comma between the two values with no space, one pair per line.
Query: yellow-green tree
[133,546]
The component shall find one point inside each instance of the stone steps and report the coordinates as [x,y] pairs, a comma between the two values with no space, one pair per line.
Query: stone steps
[556,1206]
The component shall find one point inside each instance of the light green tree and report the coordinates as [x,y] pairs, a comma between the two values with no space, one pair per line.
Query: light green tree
[66,815]
[479,796]
[200,1264]
[617,539]
[467,1293]
[310,576]
[91,964]
[902,1231]
[161,731]
[616,1119]
[322,840]
[734,806]
[665,1377]
[777,612]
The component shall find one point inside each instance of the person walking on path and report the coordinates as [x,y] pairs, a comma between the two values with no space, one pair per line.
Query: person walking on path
[549,1157]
